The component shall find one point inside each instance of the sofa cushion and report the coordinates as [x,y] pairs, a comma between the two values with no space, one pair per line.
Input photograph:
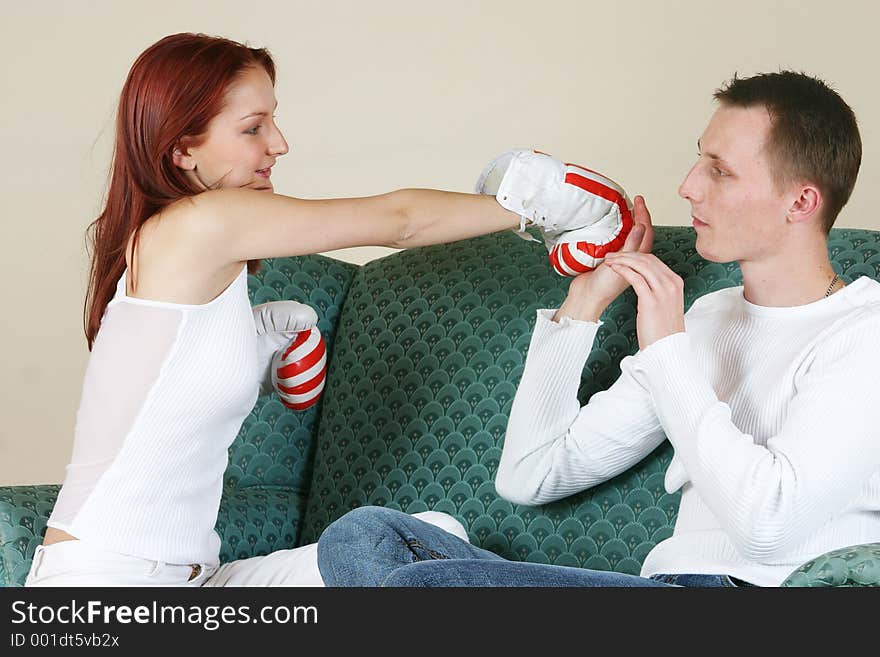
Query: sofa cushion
[430,351]
[256,520]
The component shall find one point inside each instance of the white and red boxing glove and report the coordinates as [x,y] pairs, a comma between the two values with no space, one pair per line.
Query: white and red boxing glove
[582,214]
[287,337]
[574,252]
[300,370]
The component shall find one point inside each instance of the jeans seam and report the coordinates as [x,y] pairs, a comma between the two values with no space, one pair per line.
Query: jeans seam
[413,543]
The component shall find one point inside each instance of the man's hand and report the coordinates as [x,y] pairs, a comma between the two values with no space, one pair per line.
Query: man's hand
[660,291]
[590,293]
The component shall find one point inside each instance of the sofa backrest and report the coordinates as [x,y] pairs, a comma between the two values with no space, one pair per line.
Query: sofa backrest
[274,444]
[430,347]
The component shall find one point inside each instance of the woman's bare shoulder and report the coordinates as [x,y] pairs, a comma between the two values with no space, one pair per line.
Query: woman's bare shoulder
[198,223]
[169,265]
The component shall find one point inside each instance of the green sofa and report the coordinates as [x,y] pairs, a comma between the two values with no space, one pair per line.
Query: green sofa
[426,349]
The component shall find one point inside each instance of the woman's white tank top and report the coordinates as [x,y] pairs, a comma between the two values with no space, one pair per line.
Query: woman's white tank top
[166,389]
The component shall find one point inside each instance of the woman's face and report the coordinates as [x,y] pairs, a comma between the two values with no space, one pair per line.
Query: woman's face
[242,142]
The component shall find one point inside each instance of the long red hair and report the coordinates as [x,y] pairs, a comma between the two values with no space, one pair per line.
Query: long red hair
[173,90]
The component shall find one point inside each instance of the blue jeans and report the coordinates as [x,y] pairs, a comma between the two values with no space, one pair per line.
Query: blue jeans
[375,546]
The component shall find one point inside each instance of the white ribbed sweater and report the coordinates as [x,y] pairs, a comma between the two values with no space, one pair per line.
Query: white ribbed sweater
[773,413]
[165,391]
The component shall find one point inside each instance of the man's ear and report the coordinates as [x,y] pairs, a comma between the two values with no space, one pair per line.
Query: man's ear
[806,205]
[182,159]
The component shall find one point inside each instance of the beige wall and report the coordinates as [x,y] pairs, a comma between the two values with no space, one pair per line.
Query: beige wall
[375,95]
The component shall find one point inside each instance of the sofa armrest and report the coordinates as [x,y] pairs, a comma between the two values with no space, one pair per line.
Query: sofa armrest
[252,521]
[24,511]
[856,565]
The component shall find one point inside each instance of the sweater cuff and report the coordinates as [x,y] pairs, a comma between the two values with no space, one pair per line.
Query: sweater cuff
[568,341]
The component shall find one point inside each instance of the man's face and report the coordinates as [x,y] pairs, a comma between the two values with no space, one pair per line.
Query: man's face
[736,209]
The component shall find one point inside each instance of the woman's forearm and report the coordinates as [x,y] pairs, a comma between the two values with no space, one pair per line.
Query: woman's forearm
[436,217]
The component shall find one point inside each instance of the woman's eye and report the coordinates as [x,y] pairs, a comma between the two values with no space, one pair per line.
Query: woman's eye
[718,172]
[253,131]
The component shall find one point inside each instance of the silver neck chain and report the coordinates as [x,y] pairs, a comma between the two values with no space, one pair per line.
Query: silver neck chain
[832,284]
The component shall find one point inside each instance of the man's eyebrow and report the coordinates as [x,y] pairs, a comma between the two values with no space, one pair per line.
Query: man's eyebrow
[257,113]
[711,156]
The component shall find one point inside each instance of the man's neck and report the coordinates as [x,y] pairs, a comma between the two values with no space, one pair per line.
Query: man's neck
[794,277]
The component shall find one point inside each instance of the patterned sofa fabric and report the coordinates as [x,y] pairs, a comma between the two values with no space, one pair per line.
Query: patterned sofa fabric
[274,445]
[858,565]
[24,511]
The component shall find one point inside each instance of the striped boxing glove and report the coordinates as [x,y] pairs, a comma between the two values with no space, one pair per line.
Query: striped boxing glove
[580,250]
[279,326]
[300,370]
[582,214]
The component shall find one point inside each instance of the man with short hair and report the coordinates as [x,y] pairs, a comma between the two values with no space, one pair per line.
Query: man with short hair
[763,390]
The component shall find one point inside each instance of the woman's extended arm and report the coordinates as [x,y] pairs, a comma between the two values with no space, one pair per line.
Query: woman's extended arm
[238,225]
